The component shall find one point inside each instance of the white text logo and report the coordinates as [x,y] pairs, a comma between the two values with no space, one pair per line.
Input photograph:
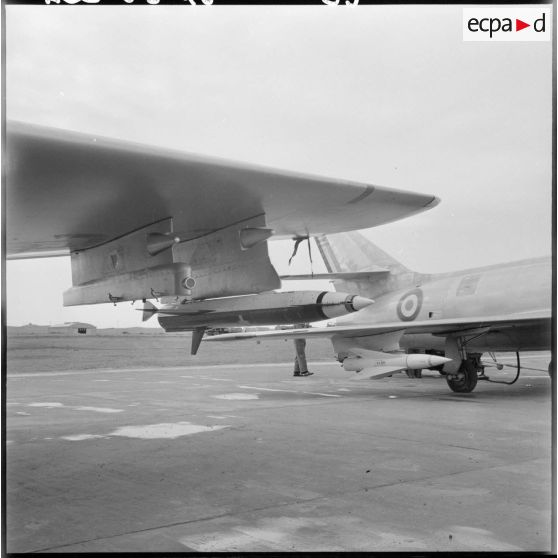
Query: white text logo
[507,24]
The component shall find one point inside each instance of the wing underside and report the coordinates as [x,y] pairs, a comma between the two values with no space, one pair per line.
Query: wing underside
[68,192]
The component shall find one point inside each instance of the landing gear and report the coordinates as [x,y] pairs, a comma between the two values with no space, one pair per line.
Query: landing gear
[465,380]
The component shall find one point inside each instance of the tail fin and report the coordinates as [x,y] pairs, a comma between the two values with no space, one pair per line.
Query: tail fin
[350,252]
[353,252]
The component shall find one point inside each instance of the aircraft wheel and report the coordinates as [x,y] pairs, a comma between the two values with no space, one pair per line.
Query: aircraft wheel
[467,379]
[414,373]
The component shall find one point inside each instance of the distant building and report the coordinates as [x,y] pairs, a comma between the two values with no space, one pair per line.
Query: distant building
[73,328]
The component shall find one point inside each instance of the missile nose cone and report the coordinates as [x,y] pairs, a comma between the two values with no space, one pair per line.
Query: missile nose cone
[335,304]
[438,360]
[360,302]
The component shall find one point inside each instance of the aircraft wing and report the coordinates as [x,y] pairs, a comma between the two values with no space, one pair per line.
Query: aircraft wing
[67,192]
[457,326]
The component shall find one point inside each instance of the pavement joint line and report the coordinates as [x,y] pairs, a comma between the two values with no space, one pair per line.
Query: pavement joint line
[323,394]
[267,389]
[291,391]
[279,505]
[158,368]
[186,368]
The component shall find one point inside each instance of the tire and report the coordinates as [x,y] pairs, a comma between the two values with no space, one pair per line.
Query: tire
[414,373]
[468,382]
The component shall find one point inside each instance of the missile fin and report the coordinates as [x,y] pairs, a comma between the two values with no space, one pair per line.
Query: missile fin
[148,310]
[197,336]
[375,373]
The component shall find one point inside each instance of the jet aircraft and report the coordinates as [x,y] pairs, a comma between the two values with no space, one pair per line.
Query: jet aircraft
[446,321]
[142,222]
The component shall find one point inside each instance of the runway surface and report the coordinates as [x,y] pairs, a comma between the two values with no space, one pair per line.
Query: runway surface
[248,458]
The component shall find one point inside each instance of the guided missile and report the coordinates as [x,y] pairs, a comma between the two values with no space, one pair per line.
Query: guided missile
[374,364]
[259,309]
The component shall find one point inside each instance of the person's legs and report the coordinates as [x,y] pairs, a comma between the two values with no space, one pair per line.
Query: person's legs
[301,366]
[296,366]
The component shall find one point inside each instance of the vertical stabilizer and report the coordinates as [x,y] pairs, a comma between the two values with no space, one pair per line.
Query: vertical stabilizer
[351,251]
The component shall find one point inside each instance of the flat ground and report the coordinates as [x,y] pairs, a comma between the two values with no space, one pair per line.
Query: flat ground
[126,443]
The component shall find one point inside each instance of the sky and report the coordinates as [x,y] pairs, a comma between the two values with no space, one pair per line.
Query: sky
[388,95]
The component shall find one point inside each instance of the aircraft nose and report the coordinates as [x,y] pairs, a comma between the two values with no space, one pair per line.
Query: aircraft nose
[360,302]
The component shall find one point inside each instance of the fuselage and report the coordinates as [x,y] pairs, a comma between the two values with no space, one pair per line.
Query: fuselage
[498,290]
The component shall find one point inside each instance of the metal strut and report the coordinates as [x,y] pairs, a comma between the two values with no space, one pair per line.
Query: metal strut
[465,341]
[310,256]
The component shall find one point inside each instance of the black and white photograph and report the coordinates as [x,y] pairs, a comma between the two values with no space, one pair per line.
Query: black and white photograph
[278,277]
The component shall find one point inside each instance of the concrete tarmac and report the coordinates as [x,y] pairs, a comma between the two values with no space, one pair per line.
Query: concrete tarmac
[229,458]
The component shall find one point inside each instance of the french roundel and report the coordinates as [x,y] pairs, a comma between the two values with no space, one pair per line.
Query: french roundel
[409,305]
